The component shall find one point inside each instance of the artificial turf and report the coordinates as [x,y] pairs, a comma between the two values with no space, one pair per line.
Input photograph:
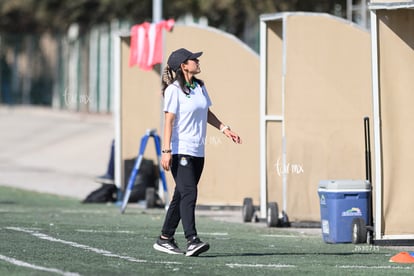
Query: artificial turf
[49,235]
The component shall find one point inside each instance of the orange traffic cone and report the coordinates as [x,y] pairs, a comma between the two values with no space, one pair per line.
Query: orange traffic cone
[403,257]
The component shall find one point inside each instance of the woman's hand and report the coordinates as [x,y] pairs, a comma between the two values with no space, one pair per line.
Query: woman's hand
[233,136]
[166,160]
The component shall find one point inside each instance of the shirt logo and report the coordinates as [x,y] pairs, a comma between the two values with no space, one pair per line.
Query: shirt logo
[183,161]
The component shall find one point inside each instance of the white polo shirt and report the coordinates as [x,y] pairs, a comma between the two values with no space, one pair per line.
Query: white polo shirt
[190,124]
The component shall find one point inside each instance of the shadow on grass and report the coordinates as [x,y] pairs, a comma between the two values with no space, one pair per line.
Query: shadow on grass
[233,254]
[8,202]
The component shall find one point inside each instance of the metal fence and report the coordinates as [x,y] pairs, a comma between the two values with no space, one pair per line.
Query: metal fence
[71,71]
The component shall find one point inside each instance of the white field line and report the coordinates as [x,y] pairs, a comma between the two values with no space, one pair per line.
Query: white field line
[86,247]
[207,233]
[36,267]
[69,211]
[12,211]
[110,254]
[260,265]
[374,267]
[280,236]
[104,231]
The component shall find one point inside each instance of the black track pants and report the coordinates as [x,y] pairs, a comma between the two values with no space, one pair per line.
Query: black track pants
[186,171]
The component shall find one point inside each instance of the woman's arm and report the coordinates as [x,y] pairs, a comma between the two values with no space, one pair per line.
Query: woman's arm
[215,122]
[166,155]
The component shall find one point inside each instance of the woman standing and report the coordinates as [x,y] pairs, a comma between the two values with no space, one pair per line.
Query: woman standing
[187,112]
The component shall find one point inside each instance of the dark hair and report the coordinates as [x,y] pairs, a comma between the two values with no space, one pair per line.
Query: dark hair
[168,78]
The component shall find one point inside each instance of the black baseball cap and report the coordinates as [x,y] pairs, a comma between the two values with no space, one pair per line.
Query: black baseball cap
[180,56]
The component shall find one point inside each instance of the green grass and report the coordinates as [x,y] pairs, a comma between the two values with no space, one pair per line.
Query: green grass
[95,239]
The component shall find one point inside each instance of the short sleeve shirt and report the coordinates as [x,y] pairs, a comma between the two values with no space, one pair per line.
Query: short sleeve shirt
[190,124]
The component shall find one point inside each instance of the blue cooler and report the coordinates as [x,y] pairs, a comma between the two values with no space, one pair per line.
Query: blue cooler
[341,201]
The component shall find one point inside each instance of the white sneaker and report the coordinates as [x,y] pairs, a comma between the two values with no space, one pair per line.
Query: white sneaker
[167,246]
[195,247]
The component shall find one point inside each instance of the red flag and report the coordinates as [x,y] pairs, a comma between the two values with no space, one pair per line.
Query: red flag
[147,43]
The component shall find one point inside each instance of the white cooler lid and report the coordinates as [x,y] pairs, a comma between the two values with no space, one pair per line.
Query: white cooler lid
[344,184]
